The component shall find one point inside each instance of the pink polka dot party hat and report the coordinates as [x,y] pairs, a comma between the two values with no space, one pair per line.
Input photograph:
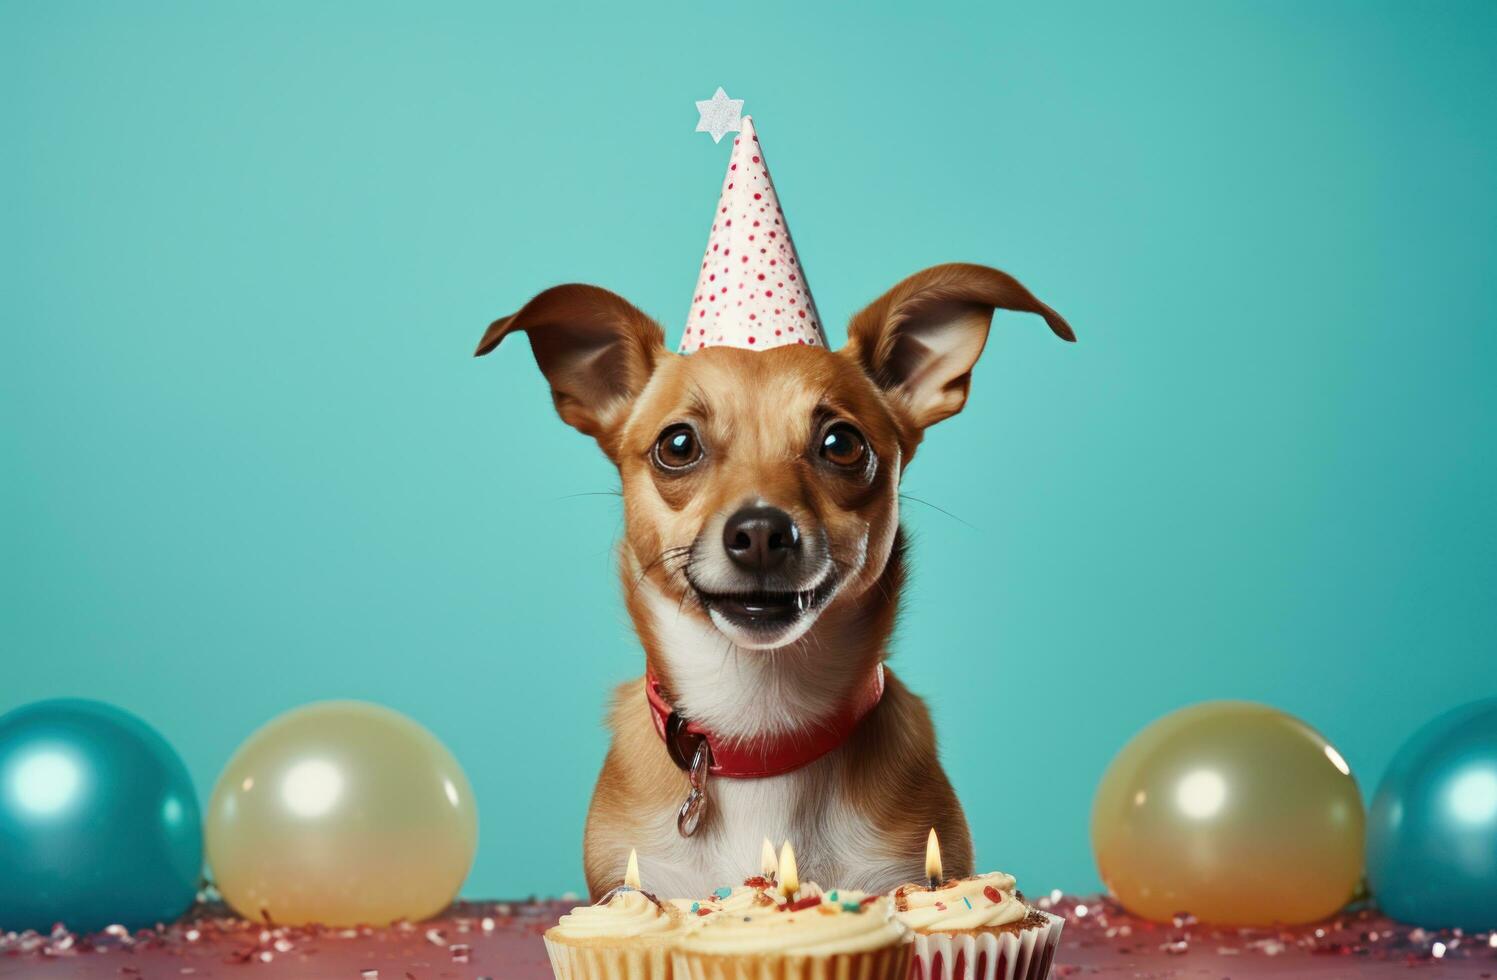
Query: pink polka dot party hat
[752,291]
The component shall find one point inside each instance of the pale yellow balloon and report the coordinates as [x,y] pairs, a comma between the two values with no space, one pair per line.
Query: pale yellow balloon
[341,813]
[1234,812]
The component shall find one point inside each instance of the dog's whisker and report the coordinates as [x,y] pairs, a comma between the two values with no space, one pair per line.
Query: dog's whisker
[662,560]
[591,493]
[927,503]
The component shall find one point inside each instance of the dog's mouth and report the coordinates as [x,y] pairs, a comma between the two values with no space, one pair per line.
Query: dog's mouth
[764,613]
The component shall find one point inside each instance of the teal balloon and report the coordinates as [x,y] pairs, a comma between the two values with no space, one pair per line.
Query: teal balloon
[1432,830]
[99,824]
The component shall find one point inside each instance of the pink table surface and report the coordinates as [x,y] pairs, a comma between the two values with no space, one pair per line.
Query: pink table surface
[501,941]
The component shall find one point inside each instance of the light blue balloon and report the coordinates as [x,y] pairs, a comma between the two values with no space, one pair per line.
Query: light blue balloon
[99,823]
[1432,830]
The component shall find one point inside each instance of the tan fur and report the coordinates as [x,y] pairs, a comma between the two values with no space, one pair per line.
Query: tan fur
[859,815]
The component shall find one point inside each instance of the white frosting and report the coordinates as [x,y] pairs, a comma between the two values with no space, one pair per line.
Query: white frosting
[627,913]
[965,904]
[744,898]
[842,922]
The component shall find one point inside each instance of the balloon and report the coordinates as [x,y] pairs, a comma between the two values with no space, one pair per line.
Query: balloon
[99,824]
[341,813]
[1236,813]
[1432,831]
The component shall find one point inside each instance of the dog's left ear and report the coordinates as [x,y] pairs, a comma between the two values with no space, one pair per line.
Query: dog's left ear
[920,340]
[595,348]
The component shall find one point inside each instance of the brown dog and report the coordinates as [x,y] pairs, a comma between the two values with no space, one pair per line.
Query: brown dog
[761,565]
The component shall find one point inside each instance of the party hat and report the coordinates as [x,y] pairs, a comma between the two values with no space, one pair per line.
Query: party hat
[752,291]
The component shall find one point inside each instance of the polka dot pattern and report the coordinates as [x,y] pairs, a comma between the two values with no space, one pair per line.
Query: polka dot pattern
[751,292]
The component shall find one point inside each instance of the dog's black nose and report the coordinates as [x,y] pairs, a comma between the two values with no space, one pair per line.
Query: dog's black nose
[759,538]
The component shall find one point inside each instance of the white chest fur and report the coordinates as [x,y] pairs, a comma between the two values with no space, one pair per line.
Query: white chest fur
[748,692]
[833,842]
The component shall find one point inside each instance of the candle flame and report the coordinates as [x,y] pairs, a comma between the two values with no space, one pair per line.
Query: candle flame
[631,873]
[768,865]
[789,875]
[933,858]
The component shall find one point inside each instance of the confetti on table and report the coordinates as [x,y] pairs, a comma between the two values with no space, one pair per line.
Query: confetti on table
[474,940]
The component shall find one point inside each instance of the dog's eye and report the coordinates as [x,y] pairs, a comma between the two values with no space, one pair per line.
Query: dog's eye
[843,445]
[678,447]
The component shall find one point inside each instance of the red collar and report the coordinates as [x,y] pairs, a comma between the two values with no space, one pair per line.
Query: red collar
[755,758]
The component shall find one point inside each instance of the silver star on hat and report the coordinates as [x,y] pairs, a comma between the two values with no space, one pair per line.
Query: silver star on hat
[720,115]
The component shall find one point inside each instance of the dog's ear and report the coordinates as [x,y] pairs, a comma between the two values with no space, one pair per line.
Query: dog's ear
[595,348]
[920,340]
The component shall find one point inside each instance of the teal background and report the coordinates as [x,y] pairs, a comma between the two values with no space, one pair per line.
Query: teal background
[246,251]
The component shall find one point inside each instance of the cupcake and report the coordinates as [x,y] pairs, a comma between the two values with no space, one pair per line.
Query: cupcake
[628,935]
[976,928]
[801,933]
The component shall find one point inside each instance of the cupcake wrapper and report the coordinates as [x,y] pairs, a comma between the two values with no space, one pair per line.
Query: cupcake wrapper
[1025,955]
[891,963]
[633,962]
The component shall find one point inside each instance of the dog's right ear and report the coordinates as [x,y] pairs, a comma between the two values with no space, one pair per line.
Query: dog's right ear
[595,348]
